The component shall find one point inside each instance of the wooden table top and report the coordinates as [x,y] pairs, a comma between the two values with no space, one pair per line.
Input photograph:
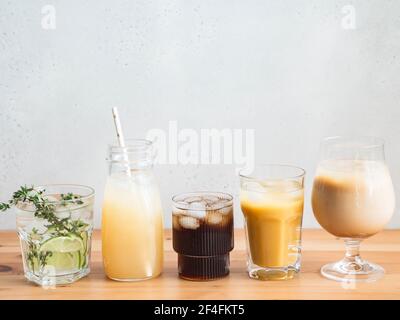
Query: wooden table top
[318,248]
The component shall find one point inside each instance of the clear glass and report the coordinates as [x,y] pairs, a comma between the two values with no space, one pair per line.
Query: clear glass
[353,199]
[54,256]
[272,200]
[132,221]
[202,234]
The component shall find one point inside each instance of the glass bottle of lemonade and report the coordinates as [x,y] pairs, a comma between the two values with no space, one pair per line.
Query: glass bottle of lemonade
[132,222]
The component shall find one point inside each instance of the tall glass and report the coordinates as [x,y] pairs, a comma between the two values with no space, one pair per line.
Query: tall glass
[353,199]
[272,199]
[132,222]
[56,250]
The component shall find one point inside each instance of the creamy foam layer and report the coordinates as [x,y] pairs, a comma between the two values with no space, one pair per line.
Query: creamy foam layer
[353,198]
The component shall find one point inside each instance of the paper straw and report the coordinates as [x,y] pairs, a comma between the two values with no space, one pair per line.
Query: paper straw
[120,136]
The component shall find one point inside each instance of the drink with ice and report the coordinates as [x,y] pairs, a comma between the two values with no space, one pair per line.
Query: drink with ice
[55,227]
[203,234]
[272,204]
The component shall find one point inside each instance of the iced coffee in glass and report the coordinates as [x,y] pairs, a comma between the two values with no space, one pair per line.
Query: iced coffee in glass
[202,234]
[271,199]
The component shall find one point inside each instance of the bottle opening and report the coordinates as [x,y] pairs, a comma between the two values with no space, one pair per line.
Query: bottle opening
[136,153]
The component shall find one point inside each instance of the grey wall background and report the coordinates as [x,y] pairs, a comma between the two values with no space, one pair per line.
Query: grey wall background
[287,69]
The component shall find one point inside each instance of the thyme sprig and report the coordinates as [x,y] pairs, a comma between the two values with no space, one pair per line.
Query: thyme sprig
[70,198]
[45,209]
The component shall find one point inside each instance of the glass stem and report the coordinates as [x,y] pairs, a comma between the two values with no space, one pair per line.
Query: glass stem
[352,258]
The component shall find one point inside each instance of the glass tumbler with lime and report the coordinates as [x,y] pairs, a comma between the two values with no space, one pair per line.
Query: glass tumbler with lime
[54,224]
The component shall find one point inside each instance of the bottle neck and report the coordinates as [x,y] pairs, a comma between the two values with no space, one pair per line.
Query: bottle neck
[136,156]
[125,168]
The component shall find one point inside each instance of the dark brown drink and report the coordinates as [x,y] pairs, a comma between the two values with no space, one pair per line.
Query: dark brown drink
[203,234]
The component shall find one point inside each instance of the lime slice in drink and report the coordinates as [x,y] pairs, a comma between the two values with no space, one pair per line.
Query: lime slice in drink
[65,253]
[63,244]
[59,263]
[84,236]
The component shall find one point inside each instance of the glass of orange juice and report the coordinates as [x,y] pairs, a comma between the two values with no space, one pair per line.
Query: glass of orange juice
[132,221]
[272,199]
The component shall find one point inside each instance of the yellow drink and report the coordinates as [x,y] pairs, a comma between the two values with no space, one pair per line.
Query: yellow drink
[273,226]
[132,228]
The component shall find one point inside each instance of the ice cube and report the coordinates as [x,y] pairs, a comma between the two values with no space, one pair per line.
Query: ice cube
[37,225]
[226,210]
[175,222]
[255,186]
[64,214]
[80,213]
[187,222]
[51,198]
[214,217]
[211,200]
[189,200]
[198,209]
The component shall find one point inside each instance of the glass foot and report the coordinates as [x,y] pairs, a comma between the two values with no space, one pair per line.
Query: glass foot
[273,274]
[52,281]
[352,271]
[132,279]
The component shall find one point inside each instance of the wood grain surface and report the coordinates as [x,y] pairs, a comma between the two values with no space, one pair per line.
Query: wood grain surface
[318,248]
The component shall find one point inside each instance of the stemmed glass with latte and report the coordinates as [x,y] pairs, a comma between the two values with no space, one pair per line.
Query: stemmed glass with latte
[353,199]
